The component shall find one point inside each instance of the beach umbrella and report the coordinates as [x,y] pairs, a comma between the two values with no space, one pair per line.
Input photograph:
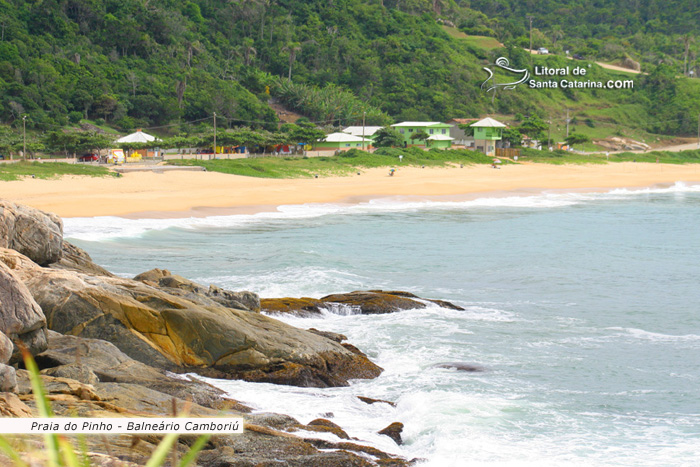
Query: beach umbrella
[497,161]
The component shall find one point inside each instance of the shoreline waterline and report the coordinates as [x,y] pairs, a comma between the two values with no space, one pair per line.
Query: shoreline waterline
[205,194]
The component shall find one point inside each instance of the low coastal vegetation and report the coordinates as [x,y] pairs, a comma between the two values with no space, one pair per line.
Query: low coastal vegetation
[18,170]
[560,157]
[350,162]
[345,163]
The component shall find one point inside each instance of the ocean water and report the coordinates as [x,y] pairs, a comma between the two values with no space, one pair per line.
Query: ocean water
[584,310]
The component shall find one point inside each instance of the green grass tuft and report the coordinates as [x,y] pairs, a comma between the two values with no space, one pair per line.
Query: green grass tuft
[48,170]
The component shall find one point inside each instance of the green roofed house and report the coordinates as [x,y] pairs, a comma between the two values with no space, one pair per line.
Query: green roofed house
[433,129]
[486,132]
[342,141]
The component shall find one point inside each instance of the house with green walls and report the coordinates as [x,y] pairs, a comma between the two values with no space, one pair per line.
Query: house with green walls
[486,132]
[407,129]
[341,141]
[439,142]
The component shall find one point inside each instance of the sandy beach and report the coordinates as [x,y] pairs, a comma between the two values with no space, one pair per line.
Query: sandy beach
[186,193]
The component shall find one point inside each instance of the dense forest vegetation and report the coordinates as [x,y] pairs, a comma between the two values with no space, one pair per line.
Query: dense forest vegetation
[169,64]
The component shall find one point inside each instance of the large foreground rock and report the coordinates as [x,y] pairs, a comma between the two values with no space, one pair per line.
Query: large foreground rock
[369,302]
[174,332]
[21,318]
[77,259]
[34,233]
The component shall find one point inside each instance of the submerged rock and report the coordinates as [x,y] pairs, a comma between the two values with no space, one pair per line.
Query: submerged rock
[461,366]
[368,302]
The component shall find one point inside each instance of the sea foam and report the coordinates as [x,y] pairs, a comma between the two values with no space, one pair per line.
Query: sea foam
[106,227]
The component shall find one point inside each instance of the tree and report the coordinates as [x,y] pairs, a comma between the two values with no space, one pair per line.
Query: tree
[291,48]
[534,127]
[420,135]
[513,136]
[387,137]
[576,138]
[303,132]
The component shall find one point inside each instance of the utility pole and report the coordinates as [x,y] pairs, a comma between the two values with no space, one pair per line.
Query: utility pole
[363,130]
[24,137]
[549,134]
[567,122]
[699,131]
[214,137]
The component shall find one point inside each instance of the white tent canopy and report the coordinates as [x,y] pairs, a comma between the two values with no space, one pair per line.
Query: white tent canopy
[137,137]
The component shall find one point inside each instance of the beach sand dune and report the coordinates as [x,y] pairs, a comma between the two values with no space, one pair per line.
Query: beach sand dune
[186,193]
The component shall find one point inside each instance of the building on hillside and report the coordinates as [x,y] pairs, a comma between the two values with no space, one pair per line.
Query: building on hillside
[459,135]
[439,142]
[486,132]
[407,129]
[366,131]
[341,141]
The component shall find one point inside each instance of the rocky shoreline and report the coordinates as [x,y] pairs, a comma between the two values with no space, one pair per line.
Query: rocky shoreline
[109,346]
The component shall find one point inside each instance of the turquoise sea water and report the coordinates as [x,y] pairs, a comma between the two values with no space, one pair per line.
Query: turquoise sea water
[584,308]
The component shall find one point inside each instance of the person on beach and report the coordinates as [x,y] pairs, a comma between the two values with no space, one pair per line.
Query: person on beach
[391,172]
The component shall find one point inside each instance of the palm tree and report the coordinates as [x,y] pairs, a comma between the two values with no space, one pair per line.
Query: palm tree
[556,33]
[249,51]
[291,48]
[687,40]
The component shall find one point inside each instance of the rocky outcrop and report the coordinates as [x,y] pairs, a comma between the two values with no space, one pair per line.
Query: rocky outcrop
[159,322]
[21,318]
[77,259]
[183,332]
[370,302]
[36,234]
[393,431]
[179,286]
[268,438]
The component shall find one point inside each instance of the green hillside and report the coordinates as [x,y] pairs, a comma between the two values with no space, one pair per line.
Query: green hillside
[170,65]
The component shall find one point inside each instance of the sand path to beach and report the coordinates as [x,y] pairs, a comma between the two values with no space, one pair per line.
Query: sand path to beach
[185,194]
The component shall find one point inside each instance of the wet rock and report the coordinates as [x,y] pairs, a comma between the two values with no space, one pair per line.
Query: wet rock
[461,366]
[359,302]
[323,425]
[334,336]
[393,431]
[33,233]
[21,318]
[369,400]
[298,306]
